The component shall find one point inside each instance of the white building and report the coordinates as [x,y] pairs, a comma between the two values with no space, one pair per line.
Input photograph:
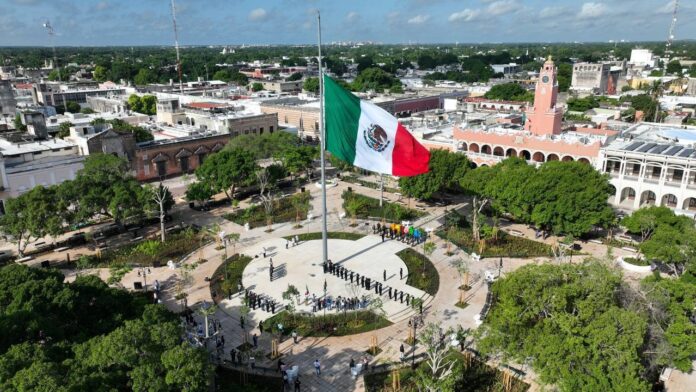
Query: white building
[652,164]
[643,58]
[25,165]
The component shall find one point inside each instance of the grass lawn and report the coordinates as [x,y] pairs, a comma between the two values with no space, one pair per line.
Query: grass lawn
[333,324]
[477,377]
[428,281]
[286,209]
[232,268]
[228,380]
[505,246]
[363,207]
[334,235]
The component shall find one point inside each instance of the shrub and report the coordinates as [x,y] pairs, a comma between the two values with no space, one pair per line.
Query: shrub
[366,207]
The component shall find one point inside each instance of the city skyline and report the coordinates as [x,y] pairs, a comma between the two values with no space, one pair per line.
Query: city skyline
[105,23]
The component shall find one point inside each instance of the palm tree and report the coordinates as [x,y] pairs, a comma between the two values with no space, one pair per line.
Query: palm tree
[656,90]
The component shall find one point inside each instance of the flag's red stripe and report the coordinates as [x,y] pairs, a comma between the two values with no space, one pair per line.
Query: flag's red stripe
[409,157]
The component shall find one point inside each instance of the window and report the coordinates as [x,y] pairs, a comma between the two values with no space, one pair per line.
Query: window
[270,129]
[201,157]
[161,168]
[261,131]
[677,175]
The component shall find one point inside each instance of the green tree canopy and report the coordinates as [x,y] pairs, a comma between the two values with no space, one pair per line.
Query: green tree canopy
[64,129]
[375,79]
[295,76]
[311,85]
[256,87]
[509,92]
[72,107]
[674,67]
[445,169]
[568,320]
[99,73]
[228,169]
[267,145]
[144,76]
[199,191]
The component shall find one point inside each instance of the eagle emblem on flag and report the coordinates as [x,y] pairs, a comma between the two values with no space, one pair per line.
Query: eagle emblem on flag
[376,138]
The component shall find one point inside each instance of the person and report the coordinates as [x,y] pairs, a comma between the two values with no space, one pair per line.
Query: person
[256,340]
[264,252]
[286,244]
[317,367]
[280,364]
[352,362]
[252,362]
[297,384]
[241,321]
[294,336]
[401,273]
[261,326]
[297,239]
[384,275]
[401,351]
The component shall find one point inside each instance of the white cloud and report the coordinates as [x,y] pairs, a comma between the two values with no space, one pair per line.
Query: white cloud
[551,12]
[418,19]
[102,5]
[667,8]
[258,15]
[352,17]
[502,7]
[592,10]
[466,15]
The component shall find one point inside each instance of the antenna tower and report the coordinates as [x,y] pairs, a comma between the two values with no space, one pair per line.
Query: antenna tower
[176,45]
[670,38]
[51,34]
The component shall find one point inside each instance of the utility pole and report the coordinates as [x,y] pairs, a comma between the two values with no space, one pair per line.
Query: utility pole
[176,45]
[670,37]
[51,34]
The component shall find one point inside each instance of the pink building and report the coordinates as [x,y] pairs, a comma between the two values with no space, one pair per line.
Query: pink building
[540,140]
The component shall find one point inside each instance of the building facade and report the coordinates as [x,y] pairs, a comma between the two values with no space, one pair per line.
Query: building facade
[590,78]
[652,164]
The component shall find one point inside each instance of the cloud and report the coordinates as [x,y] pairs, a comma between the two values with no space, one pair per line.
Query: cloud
[418,19]
[466,15]
[592,10]
[551,12]
[258,15]
[101,6]
[352,17]
[502,7]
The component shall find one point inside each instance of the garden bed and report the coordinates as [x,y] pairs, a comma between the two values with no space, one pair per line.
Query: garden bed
[333,235]
[477,377]
[416,264]
[333,324]
[367,184]
[505,245]
[147,253]
[364,207]
[227,276]
[287,209]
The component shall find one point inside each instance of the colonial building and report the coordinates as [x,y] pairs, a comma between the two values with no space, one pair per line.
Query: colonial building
[540,140]
[652,164]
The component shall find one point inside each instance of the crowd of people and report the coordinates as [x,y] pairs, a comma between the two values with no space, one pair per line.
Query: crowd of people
[407,234]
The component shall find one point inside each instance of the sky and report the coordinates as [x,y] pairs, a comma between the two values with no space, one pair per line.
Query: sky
[233,22]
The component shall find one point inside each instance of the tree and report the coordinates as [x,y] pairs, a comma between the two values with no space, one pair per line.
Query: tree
[445,169]
[135,103]
[295,76]
[265,146]
[163,203]
[149,104]
[426,61]
[674,67]
[298,159]
[18,123]
[508,92]
[187,368]
[339,163]
[144,76]
[141,134]
[364,63]
[256,87]
[375,79]
[311,85]
[64,129]
[99,73]
[440,372]
[31,216]
[239,78]
[266,186]
[225,170]
[569,320]
[72,107]
[645,220]
[200,192]
[645,103]
[223,75]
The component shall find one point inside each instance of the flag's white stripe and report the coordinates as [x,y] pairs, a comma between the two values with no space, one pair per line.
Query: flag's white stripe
[365,156]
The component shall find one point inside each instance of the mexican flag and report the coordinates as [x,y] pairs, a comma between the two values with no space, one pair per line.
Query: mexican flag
[368,136]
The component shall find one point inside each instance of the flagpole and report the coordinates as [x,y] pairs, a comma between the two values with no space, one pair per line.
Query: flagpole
[322,131]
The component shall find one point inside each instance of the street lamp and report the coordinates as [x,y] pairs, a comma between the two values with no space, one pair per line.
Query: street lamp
[144,272]
[416,322]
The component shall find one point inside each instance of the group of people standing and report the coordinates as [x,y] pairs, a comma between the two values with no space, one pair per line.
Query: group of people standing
[407,234]
[367,283]
[254,300]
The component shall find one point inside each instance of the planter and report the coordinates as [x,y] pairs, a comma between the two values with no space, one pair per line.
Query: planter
[645,269]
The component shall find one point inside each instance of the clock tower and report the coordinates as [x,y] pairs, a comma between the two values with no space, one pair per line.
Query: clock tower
[544,118]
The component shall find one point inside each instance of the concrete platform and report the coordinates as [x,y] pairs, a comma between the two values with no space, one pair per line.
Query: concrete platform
[301,266]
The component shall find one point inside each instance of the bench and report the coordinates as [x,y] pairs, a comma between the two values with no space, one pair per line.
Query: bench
[23,259]
[61,249]
[516,233]
[596,242]
[136,239]
[628,248]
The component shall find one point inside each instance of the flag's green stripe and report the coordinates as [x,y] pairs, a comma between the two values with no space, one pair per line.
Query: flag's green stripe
[342,117]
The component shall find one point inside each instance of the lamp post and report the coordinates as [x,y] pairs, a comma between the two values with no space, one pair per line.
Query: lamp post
[144,272]
[416,322]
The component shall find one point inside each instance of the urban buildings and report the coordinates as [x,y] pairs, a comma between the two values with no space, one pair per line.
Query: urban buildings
[55,94]
[643,58]
[652,164]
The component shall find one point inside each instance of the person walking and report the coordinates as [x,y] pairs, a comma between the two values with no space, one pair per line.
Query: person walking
[297,384]
[317,367]
[294,336]
[401,352]
[256,340]
[384,275]
[401,273]
[261,327]
[352,363]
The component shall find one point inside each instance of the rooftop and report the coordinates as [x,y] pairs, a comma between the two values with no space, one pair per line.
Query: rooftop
[9,148]
[657,139]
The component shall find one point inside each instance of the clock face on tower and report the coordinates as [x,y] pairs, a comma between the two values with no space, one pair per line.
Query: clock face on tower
[545,79]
